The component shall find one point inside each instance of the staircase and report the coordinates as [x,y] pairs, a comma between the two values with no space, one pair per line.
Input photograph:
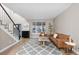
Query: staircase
[8,26]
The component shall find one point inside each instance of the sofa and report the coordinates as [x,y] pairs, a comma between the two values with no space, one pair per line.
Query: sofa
[60,40]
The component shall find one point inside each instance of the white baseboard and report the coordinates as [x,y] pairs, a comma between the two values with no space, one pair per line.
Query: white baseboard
[8,47]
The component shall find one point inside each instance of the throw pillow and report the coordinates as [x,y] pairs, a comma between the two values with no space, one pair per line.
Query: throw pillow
[70,39]
[55,35]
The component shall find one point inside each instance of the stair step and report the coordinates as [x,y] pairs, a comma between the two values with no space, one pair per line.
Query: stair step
[3,23]
[0,22]
[6,22]
[2,26]
[7,26]
[10,30]
[11,33]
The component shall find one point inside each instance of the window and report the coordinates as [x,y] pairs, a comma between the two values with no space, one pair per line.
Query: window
[38,27]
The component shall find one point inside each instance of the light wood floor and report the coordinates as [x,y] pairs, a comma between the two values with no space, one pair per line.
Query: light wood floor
[13,49]
[68,53]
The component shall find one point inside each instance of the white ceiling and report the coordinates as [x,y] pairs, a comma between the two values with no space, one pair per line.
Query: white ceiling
[38,10]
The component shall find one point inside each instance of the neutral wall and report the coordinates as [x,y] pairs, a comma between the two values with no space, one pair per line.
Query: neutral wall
[47,21]
[5,40]
[18,19]
[68,23]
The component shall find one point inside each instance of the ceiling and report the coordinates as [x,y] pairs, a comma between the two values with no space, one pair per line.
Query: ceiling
[38,10]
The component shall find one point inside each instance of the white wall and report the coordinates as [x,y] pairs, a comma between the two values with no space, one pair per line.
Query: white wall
[47,21]
[68,22]
[5,40]
[18,19]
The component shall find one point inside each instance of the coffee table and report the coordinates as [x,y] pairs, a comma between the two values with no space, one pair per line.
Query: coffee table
[43,39]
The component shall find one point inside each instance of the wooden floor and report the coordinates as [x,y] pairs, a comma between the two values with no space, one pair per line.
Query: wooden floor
[68,53]
[12,50]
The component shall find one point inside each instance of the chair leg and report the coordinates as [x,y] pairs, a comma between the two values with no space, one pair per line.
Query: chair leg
[65,50]
[70,49]
[59,48]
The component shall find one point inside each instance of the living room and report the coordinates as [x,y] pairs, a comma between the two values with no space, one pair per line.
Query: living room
[45,23]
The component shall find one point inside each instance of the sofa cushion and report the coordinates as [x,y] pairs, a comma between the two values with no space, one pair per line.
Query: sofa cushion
[55,35]
[63,36]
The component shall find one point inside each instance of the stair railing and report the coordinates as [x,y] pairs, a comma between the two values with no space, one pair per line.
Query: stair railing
[9,22]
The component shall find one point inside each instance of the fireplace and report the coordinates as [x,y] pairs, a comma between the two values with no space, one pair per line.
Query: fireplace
[26,34]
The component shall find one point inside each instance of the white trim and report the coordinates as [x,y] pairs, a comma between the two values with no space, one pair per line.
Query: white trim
[8,47]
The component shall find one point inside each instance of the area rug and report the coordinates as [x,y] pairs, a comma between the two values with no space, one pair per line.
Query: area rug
[33,47]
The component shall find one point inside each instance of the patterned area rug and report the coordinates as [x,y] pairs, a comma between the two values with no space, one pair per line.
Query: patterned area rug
[33,47]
